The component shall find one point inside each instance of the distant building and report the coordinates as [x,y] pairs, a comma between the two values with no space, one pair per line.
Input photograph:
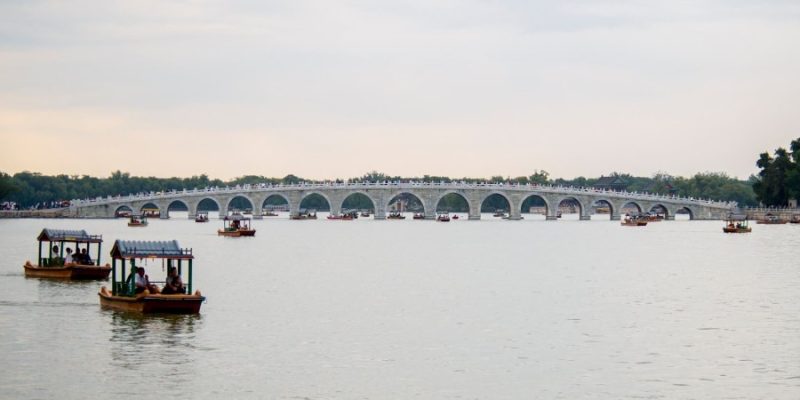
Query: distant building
[614,183]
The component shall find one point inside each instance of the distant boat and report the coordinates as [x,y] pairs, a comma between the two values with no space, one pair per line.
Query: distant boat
[443,218]
[137,220]
[304,215]
[236,225]
[455,216]
[736,224]
[395,215]
[201,217]
[419,216]
[770,219]
[633,220]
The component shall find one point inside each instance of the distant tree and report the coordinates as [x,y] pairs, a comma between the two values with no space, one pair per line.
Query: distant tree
[540,177]
[779,177]
[6,185]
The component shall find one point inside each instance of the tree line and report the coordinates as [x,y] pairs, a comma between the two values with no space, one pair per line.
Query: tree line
[27,189]
[778,180]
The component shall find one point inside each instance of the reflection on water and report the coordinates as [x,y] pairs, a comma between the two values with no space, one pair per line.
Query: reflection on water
[160,349]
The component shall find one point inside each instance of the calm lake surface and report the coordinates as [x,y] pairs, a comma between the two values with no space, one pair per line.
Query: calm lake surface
[408,309]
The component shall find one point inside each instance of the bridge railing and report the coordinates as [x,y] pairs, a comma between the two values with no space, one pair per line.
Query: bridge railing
[569,190]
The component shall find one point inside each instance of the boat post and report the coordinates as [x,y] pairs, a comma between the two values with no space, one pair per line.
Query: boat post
[114,275]
[189,291]
[97,260]
[40,254]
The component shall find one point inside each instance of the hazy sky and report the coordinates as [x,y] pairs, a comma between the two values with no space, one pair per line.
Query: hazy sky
[326,89]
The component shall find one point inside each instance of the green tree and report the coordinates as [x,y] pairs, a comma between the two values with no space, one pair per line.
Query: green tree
[6,185]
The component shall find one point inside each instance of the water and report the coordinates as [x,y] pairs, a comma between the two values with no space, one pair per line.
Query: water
[421,310]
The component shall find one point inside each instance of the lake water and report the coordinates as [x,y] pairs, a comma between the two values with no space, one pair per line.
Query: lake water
[408,309]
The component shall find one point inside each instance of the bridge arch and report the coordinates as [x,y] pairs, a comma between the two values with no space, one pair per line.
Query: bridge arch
[185,206]
[449,194]
[416,200]
[239,199]
[118,212]
[152,207]
[631,206]
[603,202]
[495,194]
[532,202]
[659,208]
[308,198]
[205,203]
[570,202]
[270,200]
[685,210]
[357,194]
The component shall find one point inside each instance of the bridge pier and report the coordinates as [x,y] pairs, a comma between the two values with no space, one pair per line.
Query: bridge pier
[551,218]
[670,218]
[586,218]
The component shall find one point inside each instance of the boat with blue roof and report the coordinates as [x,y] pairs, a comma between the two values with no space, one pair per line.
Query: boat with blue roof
[67,256]
[124,294]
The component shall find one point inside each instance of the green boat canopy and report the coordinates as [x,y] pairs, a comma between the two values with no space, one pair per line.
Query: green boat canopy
[126,249]
[75,236]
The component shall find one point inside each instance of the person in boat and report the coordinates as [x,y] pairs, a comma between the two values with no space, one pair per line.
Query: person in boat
[85,259]
[69,259]
[142,282]
[173,284]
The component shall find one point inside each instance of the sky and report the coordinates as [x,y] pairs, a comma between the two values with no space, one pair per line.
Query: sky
[333,89]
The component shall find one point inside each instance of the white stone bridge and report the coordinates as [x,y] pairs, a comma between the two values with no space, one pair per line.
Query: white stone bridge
[382,194]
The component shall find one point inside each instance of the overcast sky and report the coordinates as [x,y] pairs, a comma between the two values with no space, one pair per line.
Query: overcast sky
[326,89]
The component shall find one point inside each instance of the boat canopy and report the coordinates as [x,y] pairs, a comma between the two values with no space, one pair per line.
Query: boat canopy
[737,217]
[235,217]
[126,249]
[61,235]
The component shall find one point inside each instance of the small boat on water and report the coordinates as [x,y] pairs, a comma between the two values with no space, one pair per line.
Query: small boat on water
[343,217]
[137,220]
[419,216]
[125,296]
[633,220]
[736,223]
[499,214]
[770,219]
[443,218]
[58,265]
[304,215]
[269,214]
[236,225]
[455,216]
[795,219]
[395,215]
[201,217]
[365,214]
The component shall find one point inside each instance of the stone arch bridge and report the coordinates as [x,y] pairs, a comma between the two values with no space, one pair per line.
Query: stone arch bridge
[429,194]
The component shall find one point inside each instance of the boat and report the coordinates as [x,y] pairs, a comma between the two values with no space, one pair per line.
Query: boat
[343,217]
[365,214]
[236,225]
[304,215]
[122,214]
[654,217]
[770,219]
[248,211]
[395,215]
[795,219]
[443,218]
[736,223]
[455,216]
[634,220]
[151,212]
[54,265]
[137,220]
[499,214]
[269,214]
[123,295]
[419,216]
[201,217]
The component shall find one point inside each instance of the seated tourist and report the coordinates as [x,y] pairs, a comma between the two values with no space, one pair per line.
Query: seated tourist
[142,282]
[173,283]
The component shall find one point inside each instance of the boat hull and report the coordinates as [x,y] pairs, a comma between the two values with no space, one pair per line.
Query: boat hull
[73,272]
[131,224]
[634,223]
[250,232]
[737,230]
[153,303]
